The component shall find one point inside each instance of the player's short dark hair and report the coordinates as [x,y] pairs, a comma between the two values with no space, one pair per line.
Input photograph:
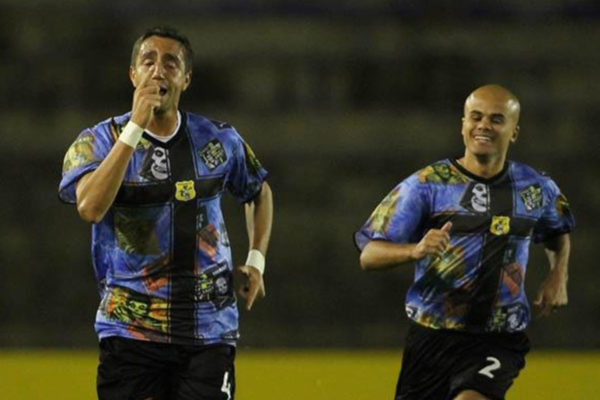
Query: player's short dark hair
[166,32]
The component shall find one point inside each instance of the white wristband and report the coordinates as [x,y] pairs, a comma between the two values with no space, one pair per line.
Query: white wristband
[131,134]
[257,260]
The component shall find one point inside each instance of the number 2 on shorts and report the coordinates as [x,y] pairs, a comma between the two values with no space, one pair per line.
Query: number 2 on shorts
[226,388]
[487,371]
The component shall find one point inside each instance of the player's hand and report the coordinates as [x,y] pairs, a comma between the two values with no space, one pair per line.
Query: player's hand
[146,98]
[433,243]
[552,294]
[252,285]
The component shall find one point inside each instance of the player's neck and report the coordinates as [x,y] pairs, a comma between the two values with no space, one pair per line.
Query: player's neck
[483,166]
[163,124]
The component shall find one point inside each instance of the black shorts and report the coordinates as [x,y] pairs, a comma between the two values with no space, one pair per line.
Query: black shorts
[439,364]
[139,370]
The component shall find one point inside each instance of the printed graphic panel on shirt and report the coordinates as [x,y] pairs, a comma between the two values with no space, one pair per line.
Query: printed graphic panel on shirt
[382,215]
[442,173]
[476,198]
[135,231]
[251,160]
[80,153]
[136,309]
[213,154]
[156,165]
[509,318]
[215,285]
[562,205]
[531,197]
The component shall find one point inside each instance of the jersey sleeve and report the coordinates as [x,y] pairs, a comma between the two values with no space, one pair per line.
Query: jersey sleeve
[84,155]
[399,218]
[556,218]
[247,175]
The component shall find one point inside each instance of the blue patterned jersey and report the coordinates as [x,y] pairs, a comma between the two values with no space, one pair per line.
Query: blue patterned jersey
[478,283]
[161,253]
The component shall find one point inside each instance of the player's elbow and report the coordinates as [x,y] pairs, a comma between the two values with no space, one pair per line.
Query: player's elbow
[366,261]
[89,212]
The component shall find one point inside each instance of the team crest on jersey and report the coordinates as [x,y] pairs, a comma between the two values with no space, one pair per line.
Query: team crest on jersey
[213,154]
[532,197]
[500,225]
[476,198]
[185,190]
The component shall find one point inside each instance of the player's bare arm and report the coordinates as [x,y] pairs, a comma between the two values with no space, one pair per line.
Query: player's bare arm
[97,190]
[259,217]
[553,290]
[379,254]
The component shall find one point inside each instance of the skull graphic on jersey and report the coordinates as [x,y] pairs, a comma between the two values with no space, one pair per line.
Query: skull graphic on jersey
[476,198]
[156,164]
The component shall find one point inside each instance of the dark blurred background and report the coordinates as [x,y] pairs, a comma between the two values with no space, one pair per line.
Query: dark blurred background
[339,101]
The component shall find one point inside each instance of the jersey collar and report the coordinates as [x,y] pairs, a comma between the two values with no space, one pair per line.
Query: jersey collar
[491,180]
[179,130]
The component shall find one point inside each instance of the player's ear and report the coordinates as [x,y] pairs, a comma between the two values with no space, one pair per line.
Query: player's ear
[188,80]
[132,75]
[515,134]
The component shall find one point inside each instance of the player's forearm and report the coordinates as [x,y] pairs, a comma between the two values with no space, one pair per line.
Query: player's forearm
[97,190]
[379,254]
[259,219]
[558,251]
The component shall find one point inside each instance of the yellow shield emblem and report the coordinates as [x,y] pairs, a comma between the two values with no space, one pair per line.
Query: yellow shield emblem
[185,190]
[500,225]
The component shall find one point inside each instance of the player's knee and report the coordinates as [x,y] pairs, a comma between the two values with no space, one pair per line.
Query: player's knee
[470,395]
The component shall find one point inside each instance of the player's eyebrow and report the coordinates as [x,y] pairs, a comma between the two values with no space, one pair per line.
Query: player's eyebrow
[171,57]
[477,113]
[148,54]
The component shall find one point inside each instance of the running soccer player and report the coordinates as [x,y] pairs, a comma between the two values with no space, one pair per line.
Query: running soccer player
[151,182]
[467,224]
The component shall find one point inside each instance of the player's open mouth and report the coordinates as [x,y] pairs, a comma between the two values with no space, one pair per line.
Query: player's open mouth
[162,91]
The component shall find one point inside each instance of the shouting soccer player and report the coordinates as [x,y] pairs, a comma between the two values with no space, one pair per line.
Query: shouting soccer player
[151,183]
[467,224]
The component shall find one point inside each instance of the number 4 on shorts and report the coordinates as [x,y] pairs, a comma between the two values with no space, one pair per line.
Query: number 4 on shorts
[494,365]
[226,388]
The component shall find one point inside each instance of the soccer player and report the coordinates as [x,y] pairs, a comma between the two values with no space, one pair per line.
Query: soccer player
[467,224]
[150,181]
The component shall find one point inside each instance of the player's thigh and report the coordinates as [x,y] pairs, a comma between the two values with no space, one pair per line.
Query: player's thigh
[132,370]
[426,364]
[209,375]
[470,395]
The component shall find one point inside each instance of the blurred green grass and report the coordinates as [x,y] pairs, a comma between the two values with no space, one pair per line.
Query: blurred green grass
[296,374]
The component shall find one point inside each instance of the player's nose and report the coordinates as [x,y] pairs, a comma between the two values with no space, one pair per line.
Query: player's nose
[484,124]
[159,71]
